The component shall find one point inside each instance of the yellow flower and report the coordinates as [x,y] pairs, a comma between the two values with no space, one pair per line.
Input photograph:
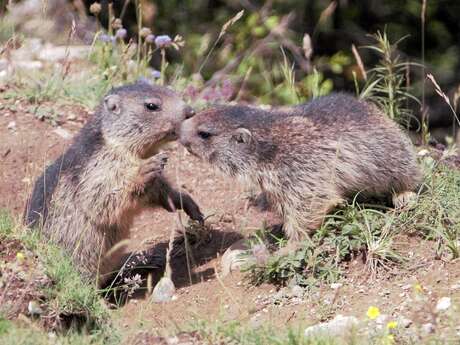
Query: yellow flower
[20,257]
[392,325]
[373,312]
[418,288]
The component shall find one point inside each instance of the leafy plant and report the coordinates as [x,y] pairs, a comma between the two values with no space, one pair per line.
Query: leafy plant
[388,85]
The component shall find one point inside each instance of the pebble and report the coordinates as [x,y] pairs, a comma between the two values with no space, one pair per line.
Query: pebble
[428,328]
[235,257]
[336,286]
[34,308]
[340,325]
[297,291]
[63,133]
[443,304]
[164,291]
[11,126]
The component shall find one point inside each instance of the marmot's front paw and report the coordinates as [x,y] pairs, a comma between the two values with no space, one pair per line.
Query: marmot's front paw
[192,209]
[151,168]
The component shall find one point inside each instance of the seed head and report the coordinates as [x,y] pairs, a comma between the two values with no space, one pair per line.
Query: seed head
[95,8]
[144,32]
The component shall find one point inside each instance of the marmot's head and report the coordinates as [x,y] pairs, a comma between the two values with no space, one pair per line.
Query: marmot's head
[228,137]
[142,117]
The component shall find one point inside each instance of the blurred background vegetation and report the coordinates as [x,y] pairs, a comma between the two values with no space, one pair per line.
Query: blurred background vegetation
[285,52]
[251,49]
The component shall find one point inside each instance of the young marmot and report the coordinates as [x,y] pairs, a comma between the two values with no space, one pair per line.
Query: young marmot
[86,200]
[308,158]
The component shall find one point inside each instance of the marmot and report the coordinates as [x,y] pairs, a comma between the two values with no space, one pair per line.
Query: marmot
[86,200]
[307,158]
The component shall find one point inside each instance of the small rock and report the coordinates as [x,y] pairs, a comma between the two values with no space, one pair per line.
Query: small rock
[428,328]
[34,308]
[382,319]
[336,286]
[404,322]
[235,257]
[71,117]
[164,291]
[455,286]
[297,291]
[63,133]
[11,126]
[443,304]
[340,325]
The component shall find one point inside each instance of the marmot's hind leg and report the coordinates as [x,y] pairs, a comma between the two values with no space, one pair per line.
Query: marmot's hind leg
[403,199]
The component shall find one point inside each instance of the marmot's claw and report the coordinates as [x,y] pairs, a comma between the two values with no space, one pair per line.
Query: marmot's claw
[193,210]
[153,167]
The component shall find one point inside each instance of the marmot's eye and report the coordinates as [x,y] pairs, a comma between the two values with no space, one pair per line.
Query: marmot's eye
[204,135]
[152,106]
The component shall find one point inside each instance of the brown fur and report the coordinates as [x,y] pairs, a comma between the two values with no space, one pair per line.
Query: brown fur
[307,158]
[86,201]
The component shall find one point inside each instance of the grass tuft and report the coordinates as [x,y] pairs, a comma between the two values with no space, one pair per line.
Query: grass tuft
[70,306]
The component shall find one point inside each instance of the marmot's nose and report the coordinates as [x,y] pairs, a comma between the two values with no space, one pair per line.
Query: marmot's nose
[189,112]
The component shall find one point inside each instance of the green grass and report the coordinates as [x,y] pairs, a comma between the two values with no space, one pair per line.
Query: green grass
[22,333]
[387,85]
[80,310]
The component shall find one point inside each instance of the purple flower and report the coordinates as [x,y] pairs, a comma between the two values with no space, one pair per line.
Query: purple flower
[163,41]
[156,74]
[105,38]
[150,38]
[121,33]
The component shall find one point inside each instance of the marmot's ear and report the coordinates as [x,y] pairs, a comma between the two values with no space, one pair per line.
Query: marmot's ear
[242,135]
[112,103]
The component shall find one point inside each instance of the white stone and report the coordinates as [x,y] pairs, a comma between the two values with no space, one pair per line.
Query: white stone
[340,325]
[163,291]
[404,322]
[235,257]
[63,133]
[335,286]
[297,291]
[34,308]
[11,126]
[428,328]
[443,304]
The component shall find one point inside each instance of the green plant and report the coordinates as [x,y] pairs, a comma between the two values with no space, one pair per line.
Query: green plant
[387,84]
[67,297]
[437,213]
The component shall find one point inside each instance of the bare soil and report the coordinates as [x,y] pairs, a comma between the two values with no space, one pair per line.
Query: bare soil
[202,294]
